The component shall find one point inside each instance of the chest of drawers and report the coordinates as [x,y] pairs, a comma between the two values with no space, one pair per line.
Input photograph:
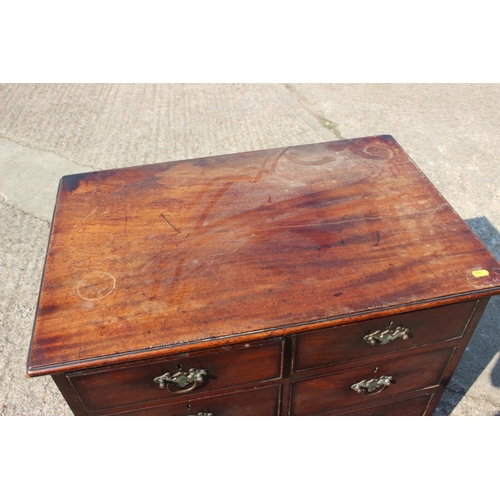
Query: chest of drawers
[325,279]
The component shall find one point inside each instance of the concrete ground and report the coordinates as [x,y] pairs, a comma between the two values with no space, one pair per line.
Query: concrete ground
[47,131]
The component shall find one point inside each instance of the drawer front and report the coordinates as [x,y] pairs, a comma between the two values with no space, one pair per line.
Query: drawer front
[414,406]
[224,368]
[255,402]
[346,343]
[326,393]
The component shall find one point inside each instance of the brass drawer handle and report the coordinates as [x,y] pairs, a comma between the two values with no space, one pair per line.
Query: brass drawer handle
[388,335]
[372,386]
[182,380]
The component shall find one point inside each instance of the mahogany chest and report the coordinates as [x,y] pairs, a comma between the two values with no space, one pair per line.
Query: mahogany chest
[324,279]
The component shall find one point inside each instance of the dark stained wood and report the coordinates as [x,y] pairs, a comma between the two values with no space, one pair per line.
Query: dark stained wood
[165,258]
[345,343]
[333,390]
[104,389]
[416,405]
[288,355]
[471,326]
[265,269]
[70,395]
[255,402]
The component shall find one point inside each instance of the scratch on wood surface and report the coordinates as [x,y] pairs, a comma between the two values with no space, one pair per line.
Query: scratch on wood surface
[91,213]
[263,170]
[215,275]
[329,311]
[226,253]
[107,189]
[278,158]
[319,223]
[171,225]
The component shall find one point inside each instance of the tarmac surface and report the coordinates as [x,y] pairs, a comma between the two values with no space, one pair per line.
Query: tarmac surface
[51,130]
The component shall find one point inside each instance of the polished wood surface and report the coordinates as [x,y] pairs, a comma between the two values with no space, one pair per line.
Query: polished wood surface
[254,402]
[346,343]
[416,405]
[160,259]
[245,364]
[333,390]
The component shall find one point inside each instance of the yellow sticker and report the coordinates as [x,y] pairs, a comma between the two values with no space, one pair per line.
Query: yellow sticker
[480,273]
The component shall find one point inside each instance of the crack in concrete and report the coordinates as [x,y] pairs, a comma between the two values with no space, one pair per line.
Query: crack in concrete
[16,207]
[33,148]
[315,112]
[328,124]
[30,176]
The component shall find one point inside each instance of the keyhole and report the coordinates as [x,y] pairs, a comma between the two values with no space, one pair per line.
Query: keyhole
[188,407]
[178,367]
[376,370]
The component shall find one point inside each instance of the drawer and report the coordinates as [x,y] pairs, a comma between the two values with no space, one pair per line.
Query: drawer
[412,406]
[225,367]
[333,390]
[255,402]
[345,343]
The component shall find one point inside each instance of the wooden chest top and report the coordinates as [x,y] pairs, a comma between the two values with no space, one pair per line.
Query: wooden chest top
[155,259]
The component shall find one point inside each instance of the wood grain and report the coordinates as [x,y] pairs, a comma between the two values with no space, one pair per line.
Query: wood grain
[255,402]
[345,343]
[157,259]
[132,384]
[333,390]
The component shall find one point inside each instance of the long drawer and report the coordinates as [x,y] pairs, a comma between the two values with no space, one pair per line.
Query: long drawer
[324,393]
[217,369]
[361,340]
[254,402]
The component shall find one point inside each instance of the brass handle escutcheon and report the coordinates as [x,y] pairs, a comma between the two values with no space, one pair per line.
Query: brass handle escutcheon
[185,381]
[386,336]
[372,386]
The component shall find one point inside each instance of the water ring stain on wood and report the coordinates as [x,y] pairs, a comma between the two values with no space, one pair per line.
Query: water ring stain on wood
[96,285]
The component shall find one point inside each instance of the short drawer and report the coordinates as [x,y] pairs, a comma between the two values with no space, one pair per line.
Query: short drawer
[225,367]
[345,343]
[414,406]
[255,402]
[334,390]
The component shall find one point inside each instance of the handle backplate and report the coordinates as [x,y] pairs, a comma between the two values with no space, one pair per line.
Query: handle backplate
[388,335]
[372,386]
[184,382]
